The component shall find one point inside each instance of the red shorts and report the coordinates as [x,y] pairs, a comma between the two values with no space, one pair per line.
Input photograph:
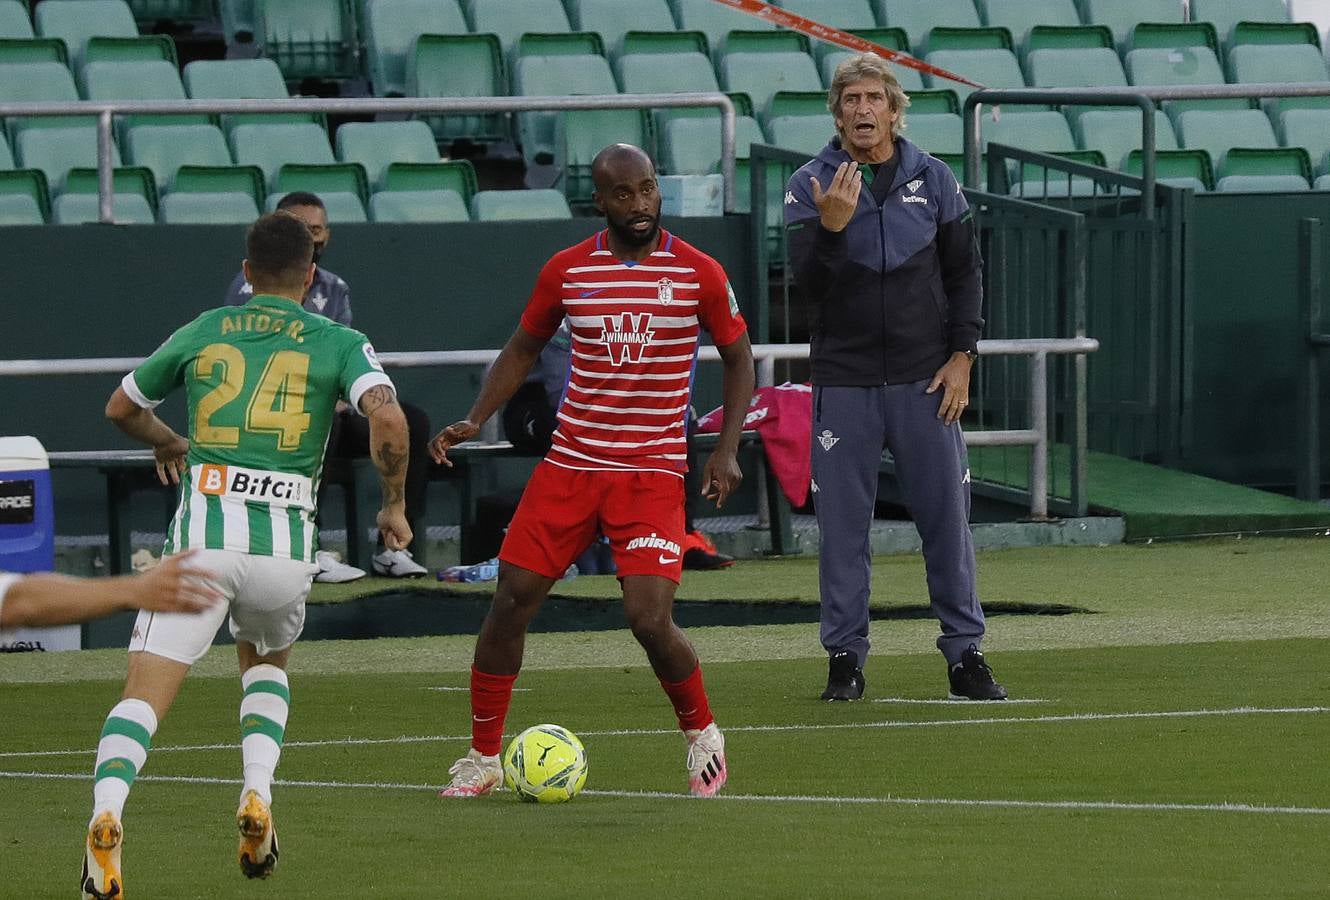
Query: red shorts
[641,512]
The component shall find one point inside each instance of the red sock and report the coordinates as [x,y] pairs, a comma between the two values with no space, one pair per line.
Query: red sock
[490,696]
[690,701]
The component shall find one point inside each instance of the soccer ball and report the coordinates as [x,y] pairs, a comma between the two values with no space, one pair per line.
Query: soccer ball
[545,764]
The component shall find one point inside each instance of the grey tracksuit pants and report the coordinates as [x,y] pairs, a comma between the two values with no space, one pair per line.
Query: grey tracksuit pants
[851,426]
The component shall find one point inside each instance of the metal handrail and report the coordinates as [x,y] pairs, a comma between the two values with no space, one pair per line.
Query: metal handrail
[105,110]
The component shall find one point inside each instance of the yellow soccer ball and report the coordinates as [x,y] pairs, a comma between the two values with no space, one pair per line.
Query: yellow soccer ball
[545,764]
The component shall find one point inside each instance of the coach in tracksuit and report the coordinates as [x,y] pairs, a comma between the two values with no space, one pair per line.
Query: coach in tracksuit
[882,243]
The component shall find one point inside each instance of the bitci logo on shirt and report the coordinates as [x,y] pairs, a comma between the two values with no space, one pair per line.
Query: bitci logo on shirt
[626,336]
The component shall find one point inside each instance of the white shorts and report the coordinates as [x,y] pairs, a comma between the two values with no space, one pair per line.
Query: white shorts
[265,596]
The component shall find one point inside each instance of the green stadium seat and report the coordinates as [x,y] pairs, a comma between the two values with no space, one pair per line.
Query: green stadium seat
[509,21]
[343,208]
[74,21]
[1268,64]
[1274,33]
[83,209]
[1224,14]
[228,208]
[714,20]
[840,14]
[806,134]
[1019,16]
[1178,168]
[1177,66]
[558,43]
[1247,184]
[460,66]
[911,79]
[57,150]
[890,38]
[1116,132]
[1310,130]
[19,209]
[936,133]
[391,28]
[242,79]
[611,21]
[927,103]
[28,183]
[798,103]
[692,146]
[918,17]
[1085,67]
[146,47]
[163,149]
[376,144]
[456,175]
[1317,12]
[149,80]
[327,178]
[759,41]
[519,205]
[272,146]
[14,21]
[761,75]
[650,73]
[34,81]
[644,42]
[307,38]
[554,75]
[1069,37]
[1043,131]
[150,12]
[1167,35]
[1123,15]
[981,38]
[418,206]
[247,180]
[1322,183]
[29,50]
[582,133]
[124,179]
[1217,130]
[994,68]
[1280,161]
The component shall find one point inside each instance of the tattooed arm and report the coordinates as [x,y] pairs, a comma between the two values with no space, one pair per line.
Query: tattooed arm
[388,450]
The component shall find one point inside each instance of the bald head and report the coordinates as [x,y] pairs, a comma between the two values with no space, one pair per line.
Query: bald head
[620,162]
[627,196]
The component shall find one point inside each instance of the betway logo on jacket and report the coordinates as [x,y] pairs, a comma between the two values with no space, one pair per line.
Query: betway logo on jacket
[240,484]
[626,336]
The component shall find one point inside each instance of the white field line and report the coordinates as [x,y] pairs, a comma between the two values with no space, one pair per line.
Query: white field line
[948,702]
[736,729]
[464,690]
[1106,805]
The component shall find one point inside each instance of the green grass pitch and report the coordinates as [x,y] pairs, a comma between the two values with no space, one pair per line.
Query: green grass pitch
[1170,744]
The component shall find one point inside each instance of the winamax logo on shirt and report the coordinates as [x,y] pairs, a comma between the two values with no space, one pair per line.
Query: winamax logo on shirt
[17,502]
[238,483]
[626,336]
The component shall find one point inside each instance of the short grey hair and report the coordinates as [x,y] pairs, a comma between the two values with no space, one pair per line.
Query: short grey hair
[868,65]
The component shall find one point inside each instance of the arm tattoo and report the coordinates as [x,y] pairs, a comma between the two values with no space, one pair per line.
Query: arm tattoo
[391,463]
[377,397]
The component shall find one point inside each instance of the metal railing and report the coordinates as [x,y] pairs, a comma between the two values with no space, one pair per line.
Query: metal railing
[766,355]
[106,110]
[1308,478]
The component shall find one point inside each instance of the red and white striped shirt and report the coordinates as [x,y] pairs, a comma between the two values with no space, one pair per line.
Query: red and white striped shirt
[635,329]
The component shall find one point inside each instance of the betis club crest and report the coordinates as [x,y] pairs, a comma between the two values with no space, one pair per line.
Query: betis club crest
[665,291]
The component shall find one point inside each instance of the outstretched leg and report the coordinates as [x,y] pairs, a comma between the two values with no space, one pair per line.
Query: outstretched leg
[264,708]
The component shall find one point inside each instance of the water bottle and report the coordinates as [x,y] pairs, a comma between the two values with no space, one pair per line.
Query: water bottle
[481,571]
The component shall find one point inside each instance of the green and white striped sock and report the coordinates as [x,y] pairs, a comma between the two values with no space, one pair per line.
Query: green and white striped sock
[121,753]
[263,712]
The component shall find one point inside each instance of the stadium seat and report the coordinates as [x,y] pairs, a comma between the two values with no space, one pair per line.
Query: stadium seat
[1167,35]
[692,146]
[272,146]
[910,79]
[918,17]
[650,73]
[1177,66]
[163,149]
[1042,131]
[457,175]
[154,80]
[554,75]
[760,41]
[14,21]
[1322,183]
[797,103]
[459,66]
[1069,37]
[509,21]
[1274,33]
[228,208]
[714,20]
[1317,12]
[994,68]
[1123,15]
[1277,162]
[1116,132]
[1084,67]
[125,180]
[376,144]
[418,206]
[242,79]
[761,75]
[57,150]
[806,134]
[582,133]
[1216,131]
[841,14]
[306,38]
[1019,16]
[30,184]
[247,180]
[321,179]
[519,205]
[27,50]
[982,38]
[391,30]
[642,42]
[19,209]
[148,47]
[82,209]
[150,12]
[936,133]
[1177,168]
[1246,184]
[343,208]
[74,21]
[1270,64]
[1224,14]
[611,21]
[927,103]
[558,43]
[34,81]
[1310,130]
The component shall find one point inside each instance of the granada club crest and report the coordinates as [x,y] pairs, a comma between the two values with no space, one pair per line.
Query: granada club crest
[665,291]
[626,336]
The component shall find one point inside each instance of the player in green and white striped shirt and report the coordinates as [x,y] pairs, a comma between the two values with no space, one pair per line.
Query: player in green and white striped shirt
[261,382]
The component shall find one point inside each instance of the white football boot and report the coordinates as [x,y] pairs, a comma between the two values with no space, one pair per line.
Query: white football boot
[474,775]
[707,771]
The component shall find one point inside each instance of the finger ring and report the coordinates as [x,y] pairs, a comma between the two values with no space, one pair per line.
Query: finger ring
[965,402]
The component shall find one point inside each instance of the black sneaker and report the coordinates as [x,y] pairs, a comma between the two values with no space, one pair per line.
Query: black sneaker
[845,680]
[972,679]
